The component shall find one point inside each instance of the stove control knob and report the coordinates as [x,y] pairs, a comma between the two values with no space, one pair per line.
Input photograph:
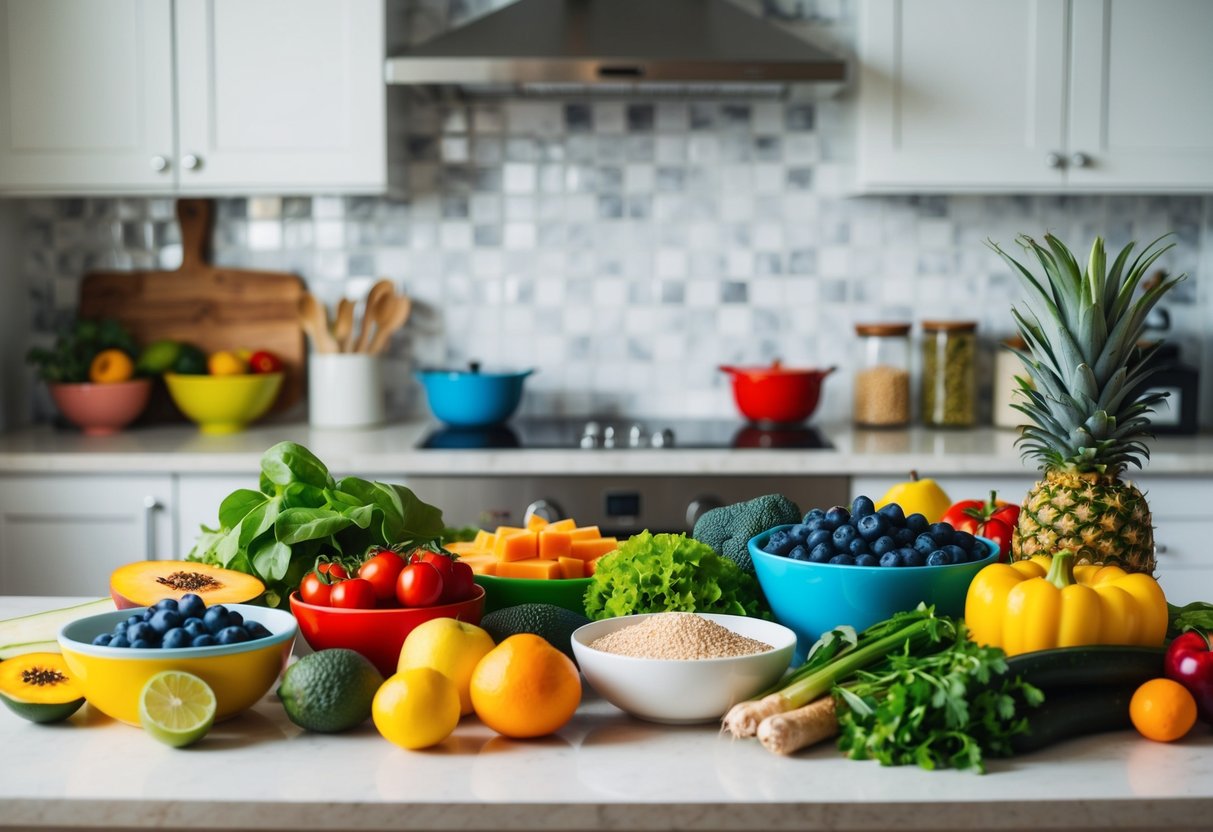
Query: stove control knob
[549,510]
[662,438]
[608,437]
[700,506]
[591,435]
[635,436]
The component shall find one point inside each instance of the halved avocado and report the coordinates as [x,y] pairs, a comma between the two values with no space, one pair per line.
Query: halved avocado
[145,582]
[39,687]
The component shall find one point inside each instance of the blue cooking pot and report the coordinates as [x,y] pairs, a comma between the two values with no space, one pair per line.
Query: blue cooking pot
[472,397]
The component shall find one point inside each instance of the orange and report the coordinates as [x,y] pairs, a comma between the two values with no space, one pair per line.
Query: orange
[110,367]
[525,687]
[1162,710]
[225,363]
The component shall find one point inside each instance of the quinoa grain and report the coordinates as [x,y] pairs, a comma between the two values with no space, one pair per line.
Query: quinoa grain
[678,635]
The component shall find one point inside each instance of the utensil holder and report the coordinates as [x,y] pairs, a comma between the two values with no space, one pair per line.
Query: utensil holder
[345,390]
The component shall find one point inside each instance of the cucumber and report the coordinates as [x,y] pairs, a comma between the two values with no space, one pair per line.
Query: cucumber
[1075,712]
[39,632]
[1100,664]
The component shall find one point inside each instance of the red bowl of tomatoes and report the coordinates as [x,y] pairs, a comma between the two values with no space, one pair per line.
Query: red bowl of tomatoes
[379,632]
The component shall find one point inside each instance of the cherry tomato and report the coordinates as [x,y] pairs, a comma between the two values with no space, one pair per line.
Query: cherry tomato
[264,361]
[314,590]
[382,570]
[334,570]
[354,594]
[437,560]
[419,585]
[461,585]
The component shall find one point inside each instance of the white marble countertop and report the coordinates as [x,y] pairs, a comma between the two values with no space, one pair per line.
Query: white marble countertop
[391,450]
[603,770]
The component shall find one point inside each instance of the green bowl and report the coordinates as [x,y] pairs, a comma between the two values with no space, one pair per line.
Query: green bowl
[510,592]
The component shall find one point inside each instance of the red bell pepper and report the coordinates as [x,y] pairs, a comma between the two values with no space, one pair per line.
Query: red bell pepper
[1189,661]
[994,519]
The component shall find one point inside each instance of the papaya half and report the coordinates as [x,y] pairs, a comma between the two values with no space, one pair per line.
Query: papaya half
[39,687]
[145,582]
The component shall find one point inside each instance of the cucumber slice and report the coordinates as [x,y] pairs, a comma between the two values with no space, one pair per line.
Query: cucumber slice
[39,632]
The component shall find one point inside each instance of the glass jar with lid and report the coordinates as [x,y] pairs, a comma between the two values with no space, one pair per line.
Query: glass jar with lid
[949,373]
[882,375]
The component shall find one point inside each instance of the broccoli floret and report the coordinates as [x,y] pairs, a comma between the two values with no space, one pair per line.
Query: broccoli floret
[728,529]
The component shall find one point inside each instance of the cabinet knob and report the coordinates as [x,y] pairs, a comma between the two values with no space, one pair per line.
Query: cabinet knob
[1080,160]
[1055,160]
[700,506]
[159,164]
[191,161]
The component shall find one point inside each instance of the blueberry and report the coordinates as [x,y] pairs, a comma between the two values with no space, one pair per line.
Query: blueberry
[890,558]
[858,547]
[964,540]
[814,516]
[215,619]
[142,644]
[893,514]
[938,558]
[862,506]
[911,557]
[905,537]
[166,604]
[917,522]
[102,639]
[956,554]
[838,515]
[232,635]
[175,638]
[133,620]
[165,620]
[234,619]
[779,543]
[119,641]
[925,543]
[797,553]
[256,629]
[843,560]
[147,614]
[942,532]
[871,526]
[120,627]
[818,537]
[821,553]
[194,627]
[867,560]
[191,606]
[843,535]
[204,640]
[883,545]
[140,632]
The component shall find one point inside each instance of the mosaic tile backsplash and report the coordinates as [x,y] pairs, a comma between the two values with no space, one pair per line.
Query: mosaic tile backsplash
[625,249]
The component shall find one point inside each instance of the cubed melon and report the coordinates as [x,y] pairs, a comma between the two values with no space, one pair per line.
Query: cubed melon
[591,566]
[534,568]
[535,523]
[484,540]
[553,545]
[518,546]
[571,567]
[506,531]
[482,564]
[590,549]
[462,547]
[565,525]
[585,533]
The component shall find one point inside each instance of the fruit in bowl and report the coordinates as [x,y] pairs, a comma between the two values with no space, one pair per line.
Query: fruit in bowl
[858,565]
[101,409]
[223,404]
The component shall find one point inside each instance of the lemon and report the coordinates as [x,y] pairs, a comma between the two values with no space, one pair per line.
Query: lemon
[176,708]
[416,708]
[226,363]
[451,647]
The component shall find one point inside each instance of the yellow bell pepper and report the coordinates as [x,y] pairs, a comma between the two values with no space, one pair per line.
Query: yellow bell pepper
[1044,602]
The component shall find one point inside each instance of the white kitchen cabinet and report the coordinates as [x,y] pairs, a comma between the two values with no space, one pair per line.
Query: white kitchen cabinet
[192,97]
[198,500]
[1046,95]
[65,534]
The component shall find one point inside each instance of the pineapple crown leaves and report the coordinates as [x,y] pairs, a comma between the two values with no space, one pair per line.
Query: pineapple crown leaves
[1088,401]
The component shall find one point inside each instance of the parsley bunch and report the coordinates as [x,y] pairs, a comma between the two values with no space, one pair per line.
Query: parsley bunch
[947,709]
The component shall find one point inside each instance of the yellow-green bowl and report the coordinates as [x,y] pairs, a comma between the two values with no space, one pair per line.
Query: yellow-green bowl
[112,678]
[223,404]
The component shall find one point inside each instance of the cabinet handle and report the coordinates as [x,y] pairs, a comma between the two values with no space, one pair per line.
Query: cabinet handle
[1160,548]
[1080,160]
[160,164]
[150,506]
[191,161]
[1055,160]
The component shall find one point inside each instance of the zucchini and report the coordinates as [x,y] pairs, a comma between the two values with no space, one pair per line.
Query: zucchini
[1099,664]
[39,632]
[1075,712]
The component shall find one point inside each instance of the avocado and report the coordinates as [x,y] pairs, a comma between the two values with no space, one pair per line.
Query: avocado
[548,621]
[158,357]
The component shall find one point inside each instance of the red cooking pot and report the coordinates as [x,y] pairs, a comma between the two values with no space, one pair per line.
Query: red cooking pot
[776,394]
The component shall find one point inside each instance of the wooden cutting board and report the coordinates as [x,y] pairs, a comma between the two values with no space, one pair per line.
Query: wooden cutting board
[212,307]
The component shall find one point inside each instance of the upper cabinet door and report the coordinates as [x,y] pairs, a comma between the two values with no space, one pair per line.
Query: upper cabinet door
[285,95]
[1141,109]
[960,95]
[86,96]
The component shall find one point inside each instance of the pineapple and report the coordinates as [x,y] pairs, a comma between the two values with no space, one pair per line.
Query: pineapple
[1087,402]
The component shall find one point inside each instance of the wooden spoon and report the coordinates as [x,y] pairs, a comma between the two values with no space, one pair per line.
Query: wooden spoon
[394,312]
[313,317]
[370,314]
[343,326]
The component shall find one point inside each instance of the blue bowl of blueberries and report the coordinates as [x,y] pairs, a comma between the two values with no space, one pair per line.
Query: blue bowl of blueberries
[237,649]
[860,565]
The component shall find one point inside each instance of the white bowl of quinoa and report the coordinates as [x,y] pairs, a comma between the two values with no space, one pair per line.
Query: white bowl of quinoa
[678,667]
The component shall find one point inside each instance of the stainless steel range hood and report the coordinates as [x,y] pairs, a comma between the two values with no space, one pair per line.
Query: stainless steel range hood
[626,46]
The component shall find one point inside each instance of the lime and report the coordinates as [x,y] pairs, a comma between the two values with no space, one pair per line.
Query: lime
[158,357]
[329,691]
[191,361]
[176,708]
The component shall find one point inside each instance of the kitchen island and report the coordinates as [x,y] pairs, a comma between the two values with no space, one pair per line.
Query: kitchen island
[604,770]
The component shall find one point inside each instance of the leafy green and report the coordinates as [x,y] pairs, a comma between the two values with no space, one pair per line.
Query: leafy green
[665,573]
[1197,615]
[301,513]
[76,347]
[460,534]
[947,709]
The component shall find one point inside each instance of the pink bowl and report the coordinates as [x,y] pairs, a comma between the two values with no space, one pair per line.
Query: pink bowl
[101,409]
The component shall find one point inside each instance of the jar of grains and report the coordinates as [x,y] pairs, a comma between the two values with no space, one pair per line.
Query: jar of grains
[949,373]
[882,377]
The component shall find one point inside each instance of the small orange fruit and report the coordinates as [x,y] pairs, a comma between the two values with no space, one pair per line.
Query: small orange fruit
[226,363]
[525,687]
[110,367]
[1162,710]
